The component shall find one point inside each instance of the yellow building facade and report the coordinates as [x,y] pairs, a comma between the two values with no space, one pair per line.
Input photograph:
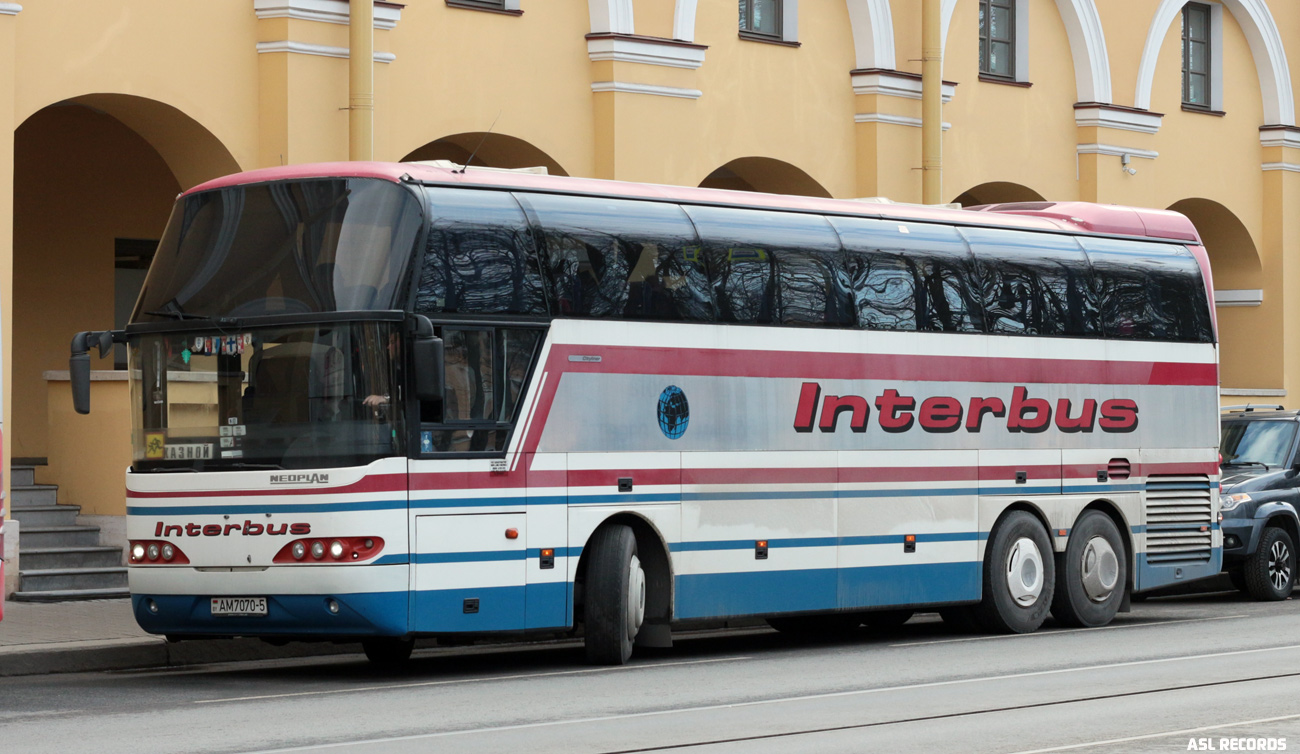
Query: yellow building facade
[109,109]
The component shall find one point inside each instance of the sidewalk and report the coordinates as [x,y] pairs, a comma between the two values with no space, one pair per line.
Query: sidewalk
[64,637]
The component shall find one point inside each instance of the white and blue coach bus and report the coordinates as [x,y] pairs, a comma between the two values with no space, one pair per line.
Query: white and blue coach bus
[384,401]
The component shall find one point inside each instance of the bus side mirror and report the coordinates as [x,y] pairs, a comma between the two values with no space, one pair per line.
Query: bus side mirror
[429,362]
[79,365]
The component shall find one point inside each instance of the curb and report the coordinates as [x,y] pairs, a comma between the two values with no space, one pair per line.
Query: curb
[152,653]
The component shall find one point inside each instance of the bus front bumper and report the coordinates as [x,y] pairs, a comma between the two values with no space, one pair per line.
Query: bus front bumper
[301,601]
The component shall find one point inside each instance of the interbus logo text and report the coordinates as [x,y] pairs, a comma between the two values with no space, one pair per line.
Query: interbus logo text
[896,412]
[247,529]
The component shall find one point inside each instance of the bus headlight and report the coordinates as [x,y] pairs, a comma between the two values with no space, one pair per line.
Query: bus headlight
[152,551]
[168,552]
[137,552]
[299,550]
[1228,502]
[336,549]
[318,549]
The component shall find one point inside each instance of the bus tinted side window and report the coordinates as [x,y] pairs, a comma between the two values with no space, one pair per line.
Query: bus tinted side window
[479,256]
[1149,291]
[909,276]
[621,259]
[1033,283]
[772,267]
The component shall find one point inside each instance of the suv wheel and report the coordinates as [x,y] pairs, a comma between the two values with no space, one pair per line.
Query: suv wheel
[1270,572]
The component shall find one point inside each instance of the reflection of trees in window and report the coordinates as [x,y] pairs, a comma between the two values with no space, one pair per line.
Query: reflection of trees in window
[812,289]
[742,284]
[475,269]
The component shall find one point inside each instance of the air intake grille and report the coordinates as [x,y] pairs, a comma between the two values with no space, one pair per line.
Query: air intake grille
[1179,517]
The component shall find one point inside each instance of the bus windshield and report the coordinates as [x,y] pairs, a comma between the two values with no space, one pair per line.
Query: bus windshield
[309,396]
[340,244]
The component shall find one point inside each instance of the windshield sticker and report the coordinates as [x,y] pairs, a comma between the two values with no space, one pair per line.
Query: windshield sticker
[186,355]
[231,453]
[225,431]
[226,345]
[426,441]
[189,451]
[153,445]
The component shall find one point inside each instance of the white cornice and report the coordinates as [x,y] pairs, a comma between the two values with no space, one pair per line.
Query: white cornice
[1116,151]
[10,9]
[1238,297]
[625,87]
[1289,167]
[896,120]
[894,85]
[1280,137]
[1124,120]
[327,11]
[1263,392]
[648,52]
[302,48]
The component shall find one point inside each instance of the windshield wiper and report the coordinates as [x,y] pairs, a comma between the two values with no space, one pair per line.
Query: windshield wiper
[1246,463]
[229,321]
[253,466]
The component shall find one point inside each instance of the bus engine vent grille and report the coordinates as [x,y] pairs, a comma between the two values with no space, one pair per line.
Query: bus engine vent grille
[1179,518]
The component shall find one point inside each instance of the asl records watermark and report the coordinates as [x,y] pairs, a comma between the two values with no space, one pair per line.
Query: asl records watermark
[1240,743]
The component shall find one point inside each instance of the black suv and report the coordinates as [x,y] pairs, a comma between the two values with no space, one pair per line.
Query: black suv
[1259,498]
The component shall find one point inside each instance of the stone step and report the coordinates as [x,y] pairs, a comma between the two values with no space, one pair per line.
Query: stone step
[33,495]
[39,537]
[71,579]
[47,515]
[22,476]
[71,557]
[70,595]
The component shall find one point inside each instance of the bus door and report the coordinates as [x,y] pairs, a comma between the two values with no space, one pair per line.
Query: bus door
[468,547]
[550,562]
[907,527]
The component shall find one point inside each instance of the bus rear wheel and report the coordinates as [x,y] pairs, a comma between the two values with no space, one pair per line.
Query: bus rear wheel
[615,596]
[1019,576]
[1091,574]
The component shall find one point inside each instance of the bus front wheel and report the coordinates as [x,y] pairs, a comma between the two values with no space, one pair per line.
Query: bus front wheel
[615,596]
[1019,576]
[1091,573]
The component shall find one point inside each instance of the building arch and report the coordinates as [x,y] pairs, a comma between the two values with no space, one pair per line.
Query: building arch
[1266,48]
[873,34]
[488,150]
[611,16]
[997,192]
[766,175]
[1234,258]
[1087,46]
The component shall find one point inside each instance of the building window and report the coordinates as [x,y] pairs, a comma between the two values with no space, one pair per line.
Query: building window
[761,18]
[507,6]
[1197,53]
[998,38]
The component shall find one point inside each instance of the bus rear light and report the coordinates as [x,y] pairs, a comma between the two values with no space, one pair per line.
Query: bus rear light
[334,550]
[155,552]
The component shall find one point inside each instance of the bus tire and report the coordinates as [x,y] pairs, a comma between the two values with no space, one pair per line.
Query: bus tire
[388,652]
[1019,576]
[886,619]
[615,596]
[1270,572]
[1091,573]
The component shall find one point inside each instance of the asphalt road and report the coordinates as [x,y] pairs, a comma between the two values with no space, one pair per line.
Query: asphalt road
[1211,667]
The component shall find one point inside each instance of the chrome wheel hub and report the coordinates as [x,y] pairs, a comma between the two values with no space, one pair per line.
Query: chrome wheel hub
[635,597]
[1100,569]
[1279,566]
[1024,572]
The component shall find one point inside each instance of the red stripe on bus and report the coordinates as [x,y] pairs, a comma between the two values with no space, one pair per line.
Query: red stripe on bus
[371,483]
[851,366]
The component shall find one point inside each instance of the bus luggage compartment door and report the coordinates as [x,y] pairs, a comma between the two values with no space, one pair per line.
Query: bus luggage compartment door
[469,573]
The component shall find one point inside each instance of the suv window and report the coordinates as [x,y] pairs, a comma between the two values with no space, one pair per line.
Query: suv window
[1254,442]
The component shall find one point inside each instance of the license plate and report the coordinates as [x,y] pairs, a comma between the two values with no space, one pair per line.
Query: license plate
[242,606]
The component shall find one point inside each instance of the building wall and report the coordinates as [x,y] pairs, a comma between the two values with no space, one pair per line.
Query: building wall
[147,98]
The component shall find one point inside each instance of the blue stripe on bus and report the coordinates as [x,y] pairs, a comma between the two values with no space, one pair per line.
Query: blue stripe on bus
[719,595]
[364,614]
[883,539]
[486,556]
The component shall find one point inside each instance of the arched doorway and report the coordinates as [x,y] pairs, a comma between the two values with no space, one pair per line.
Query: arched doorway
[997,192]
[766,175]
[487,150]
[1247,318]
[94,182]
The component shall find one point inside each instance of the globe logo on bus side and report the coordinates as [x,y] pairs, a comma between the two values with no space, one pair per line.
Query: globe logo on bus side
[674,412]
